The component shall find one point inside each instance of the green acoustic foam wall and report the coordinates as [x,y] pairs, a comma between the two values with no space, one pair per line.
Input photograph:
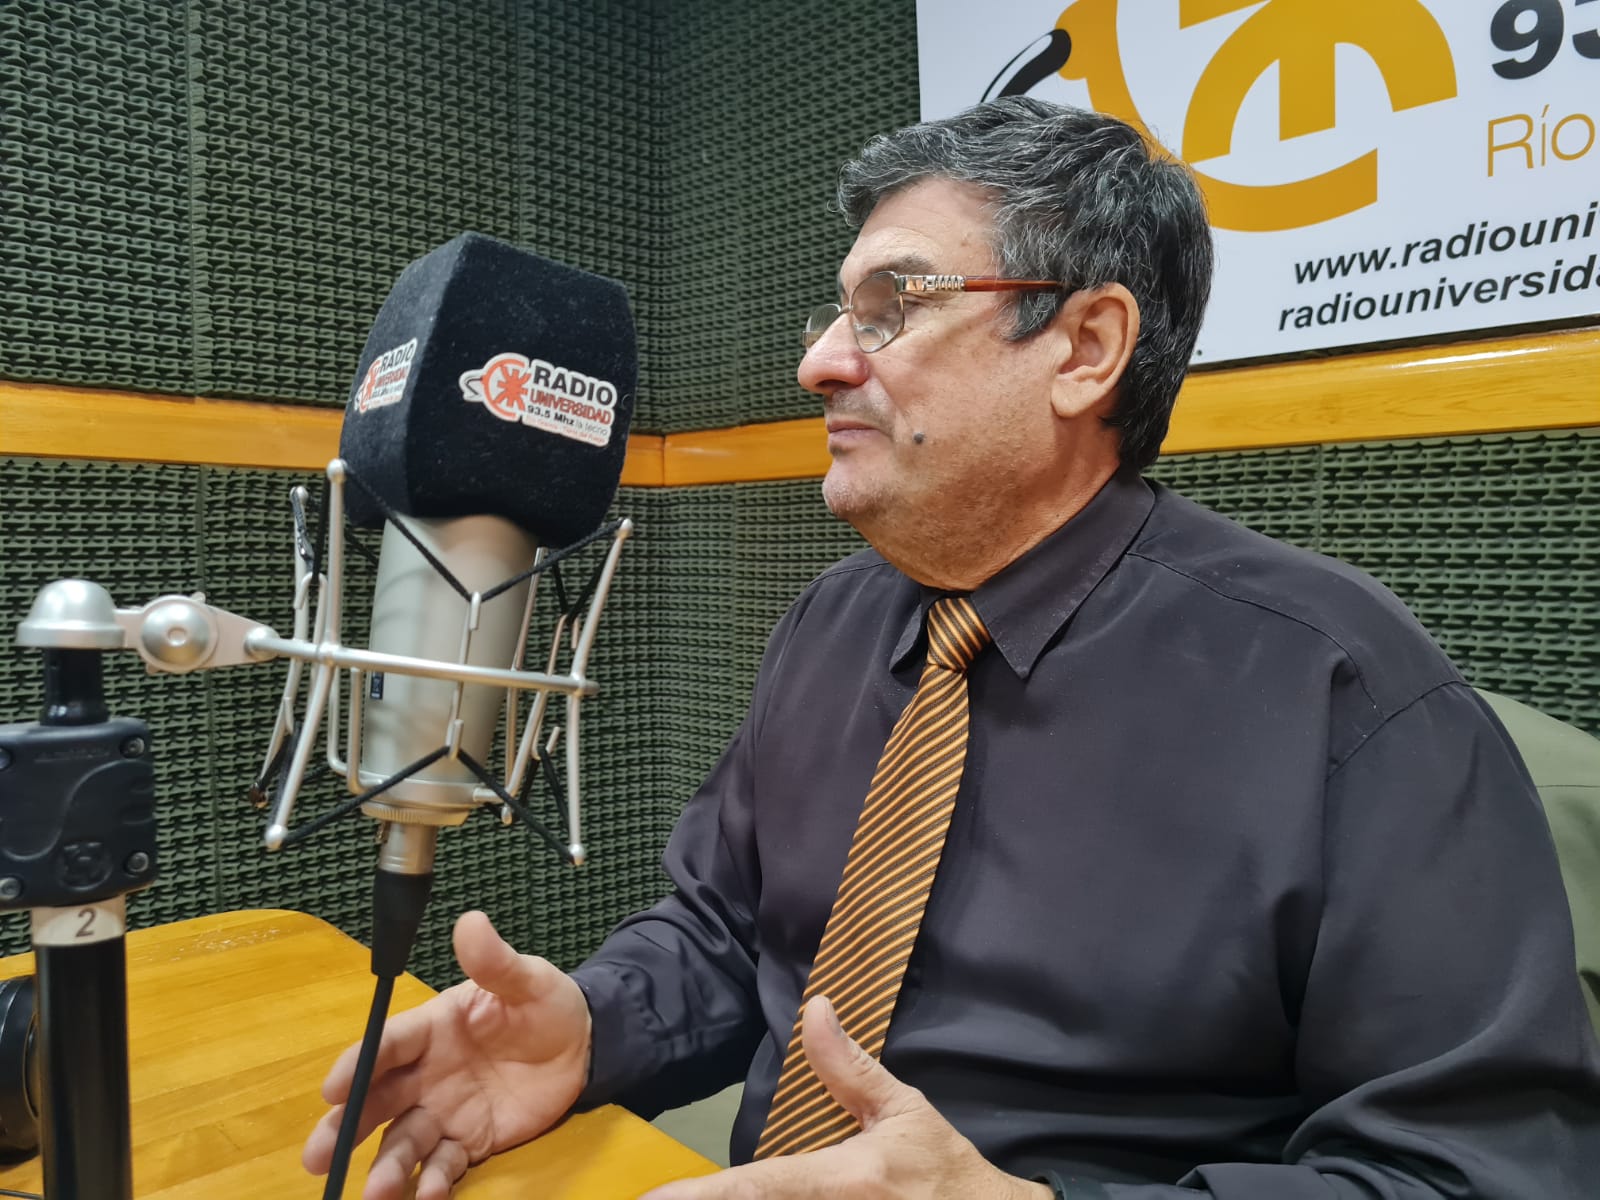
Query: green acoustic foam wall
[94,252]
[334,142]
[249,570]
[216,197]
[662,711]
[783,537]
[1276,492]
[589,152]
[844,90]
[1495,545]
[705,294]
[756,134]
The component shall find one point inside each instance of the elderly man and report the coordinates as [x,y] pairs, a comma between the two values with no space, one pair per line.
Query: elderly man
[1076,840]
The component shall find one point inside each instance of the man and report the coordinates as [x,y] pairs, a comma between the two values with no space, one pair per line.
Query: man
[1239,891]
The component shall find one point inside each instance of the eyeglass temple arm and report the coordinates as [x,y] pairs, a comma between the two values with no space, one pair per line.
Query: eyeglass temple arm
[990,283]
[973,283]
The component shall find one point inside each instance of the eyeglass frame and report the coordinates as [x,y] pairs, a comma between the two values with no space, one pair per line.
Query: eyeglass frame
[918,285]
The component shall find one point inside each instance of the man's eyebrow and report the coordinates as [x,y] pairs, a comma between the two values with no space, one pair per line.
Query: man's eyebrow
[900,264]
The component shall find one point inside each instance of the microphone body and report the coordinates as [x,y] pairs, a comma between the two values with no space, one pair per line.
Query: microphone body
[416,613]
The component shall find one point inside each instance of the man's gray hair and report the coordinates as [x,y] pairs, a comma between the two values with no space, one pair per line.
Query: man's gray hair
[1080,198]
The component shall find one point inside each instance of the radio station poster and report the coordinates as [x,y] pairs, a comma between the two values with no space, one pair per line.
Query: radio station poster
[1374,169]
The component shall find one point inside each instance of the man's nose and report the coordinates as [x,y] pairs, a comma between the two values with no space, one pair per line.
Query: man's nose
[833,361]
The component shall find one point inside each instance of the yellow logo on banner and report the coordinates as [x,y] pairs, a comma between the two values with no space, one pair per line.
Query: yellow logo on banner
[1300,38]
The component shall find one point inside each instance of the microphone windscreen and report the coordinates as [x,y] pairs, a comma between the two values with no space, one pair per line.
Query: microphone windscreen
[494,382]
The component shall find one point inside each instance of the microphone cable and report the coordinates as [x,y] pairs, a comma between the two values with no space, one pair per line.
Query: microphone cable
[398,902]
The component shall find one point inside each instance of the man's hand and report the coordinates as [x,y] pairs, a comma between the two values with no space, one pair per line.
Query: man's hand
[904,1149]
[479,1068]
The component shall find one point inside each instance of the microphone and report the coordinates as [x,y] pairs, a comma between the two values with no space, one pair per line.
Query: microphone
[488,420]
[490,410]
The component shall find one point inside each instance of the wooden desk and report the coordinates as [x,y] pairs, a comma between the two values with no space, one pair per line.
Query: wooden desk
[233,1020]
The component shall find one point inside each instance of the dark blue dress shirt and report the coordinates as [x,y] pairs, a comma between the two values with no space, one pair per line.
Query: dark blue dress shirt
[1246,894]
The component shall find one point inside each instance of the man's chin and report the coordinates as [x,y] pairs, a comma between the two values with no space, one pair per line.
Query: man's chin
[844,496]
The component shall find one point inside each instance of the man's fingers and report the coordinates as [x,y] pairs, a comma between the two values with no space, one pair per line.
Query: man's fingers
[408,1140]
[860,1083]
[405,1037]
[492,964]
[388,1098]
[317,1154]
[441,1170]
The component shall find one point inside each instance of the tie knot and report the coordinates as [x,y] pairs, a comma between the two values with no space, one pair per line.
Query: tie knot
[955,633]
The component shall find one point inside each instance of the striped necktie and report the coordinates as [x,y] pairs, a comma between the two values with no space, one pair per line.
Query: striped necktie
[887,878]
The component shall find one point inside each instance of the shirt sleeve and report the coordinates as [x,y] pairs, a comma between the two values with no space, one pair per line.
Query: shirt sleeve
[672,991]
[1443,1049]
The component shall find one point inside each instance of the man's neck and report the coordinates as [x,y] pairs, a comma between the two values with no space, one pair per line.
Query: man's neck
[959,555]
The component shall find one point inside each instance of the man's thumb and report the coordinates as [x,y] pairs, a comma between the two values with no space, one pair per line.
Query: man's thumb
[860,1083]
[491,962]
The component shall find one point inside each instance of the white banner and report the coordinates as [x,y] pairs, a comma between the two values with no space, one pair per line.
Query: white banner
[1374,169]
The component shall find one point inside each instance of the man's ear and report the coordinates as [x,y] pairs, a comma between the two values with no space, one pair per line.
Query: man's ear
[1100,328]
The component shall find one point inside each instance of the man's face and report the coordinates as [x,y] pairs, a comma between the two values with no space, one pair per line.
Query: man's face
[980,403]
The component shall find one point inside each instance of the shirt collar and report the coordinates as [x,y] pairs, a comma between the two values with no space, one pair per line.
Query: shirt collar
[1027,603]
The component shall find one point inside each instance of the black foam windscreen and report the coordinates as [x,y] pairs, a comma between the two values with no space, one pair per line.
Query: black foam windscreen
[496,382]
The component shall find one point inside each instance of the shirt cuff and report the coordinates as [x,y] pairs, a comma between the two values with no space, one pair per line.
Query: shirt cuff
[621,1044]
[1071,1187]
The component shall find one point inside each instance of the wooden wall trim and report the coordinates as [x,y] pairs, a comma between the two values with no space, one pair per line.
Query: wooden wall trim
[1544,381]
[50,421]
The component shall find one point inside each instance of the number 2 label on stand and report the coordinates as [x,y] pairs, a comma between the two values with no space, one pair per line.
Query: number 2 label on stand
[80,924]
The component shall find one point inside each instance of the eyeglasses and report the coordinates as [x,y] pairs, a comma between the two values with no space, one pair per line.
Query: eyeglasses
[877,307]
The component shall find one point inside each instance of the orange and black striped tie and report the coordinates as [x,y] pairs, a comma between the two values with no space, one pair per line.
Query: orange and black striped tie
[887,878]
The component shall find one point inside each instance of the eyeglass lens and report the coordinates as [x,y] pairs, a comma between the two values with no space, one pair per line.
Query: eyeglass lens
[875,314]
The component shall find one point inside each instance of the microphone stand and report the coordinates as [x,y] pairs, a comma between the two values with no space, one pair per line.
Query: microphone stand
[77,834]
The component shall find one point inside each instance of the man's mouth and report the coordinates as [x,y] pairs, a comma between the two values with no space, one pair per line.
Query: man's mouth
[845,425]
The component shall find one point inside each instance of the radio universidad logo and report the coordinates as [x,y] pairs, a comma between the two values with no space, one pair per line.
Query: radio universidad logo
[1299,38]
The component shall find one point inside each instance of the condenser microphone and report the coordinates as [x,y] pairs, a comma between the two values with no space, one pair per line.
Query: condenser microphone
[489,417]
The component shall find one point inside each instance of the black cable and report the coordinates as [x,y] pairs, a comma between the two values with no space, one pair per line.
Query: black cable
[355,802]
[526,817]
[561,592]
[551,560]
[393,517]
[260,793]
[382,992]
[581,600]
[552,779]
[360,547]
[22,1195]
